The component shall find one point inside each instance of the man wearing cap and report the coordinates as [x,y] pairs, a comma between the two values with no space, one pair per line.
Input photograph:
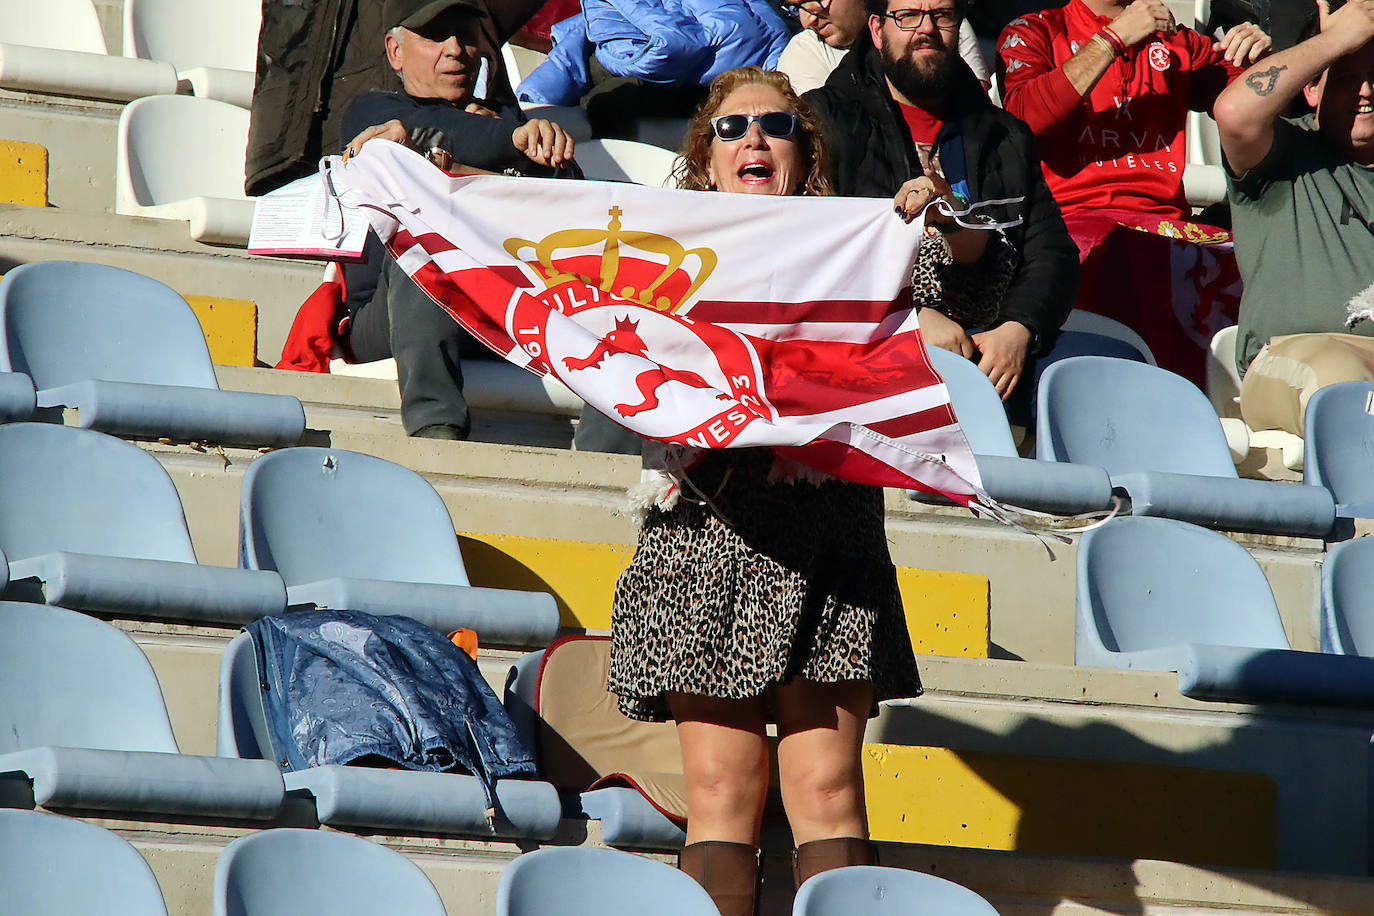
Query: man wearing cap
[442,52]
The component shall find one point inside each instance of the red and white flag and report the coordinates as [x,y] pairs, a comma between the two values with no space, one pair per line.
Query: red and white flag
[703,319]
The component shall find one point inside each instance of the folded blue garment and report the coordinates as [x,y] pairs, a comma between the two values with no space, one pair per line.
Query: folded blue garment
[340,687]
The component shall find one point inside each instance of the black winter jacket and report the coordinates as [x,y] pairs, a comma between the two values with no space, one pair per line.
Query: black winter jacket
[871,155]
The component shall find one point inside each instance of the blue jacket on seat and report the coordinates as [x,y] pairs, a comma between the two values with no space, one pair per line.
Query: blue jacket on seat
[341,686]
[675,42]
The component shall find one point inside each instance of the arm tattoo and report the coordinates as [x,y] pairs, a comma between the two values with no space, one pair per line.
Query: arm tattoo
[1263,82]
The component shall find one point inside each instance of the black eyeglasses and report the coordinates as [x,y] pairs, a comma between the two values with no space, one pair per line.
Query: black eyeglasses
[777,124]
[910,20]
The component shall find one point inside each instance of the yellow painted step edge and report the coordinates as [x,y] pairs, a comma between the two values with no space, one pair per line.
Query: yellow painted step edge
[230,326]
[947,612]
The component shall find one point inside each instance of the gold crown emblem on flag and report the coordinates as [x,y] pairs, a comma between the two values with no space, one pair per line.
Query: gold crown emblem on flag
[632,264]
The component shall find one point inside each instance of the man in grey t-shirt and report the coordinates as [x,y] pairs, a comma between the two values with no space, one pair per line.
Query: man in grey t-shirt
[1302,192]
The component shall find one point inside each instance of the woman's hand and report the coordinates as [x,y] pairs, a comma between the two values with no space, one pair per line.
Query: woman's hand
[392,130]
[1003,351]
[939,330]
[544,142]
[915,195]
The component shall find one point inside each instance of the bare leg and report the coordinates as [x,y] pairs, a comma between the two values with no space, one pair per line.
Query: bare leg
[725,765]
[820,729]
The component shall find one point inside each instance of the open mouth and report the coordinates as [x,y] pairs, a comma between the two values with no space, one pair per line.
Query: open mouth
[755,172]
[1364,108]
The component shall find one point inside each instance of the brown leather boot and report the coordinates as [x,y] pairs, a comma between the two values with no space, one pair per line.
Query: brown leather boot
[822,855]
[728,871]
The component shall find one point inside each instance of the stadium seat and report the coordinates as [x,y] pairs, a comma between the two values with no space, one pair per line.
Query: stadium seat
[1161,443]
[182,158]
[96,523]
[1338,431]
[627,818]
[358,533]
[58,47]
[1008,478]
[83,726]
[213,44]
[876,891]
[626,160]
[1081,321]
[129,355]
[59,866]
[585,881]
[1347,626]
[1162,595]
[289,872]
[377,799]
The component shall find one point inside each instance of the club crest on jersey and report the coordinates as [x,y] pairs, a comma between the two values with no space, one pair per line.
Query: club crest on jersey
[1159,56]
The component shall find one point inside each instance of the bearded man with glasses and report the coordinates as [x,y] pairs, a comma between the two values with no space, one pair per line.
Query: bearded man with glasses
[903,112]
[831,27]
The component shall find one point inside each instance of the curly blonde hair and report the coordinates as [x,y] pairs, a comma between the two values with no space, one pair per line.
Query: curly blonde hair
[690,172]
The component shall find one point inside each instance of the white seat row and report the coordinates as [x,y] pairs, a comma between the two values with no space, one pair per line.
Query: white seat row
[206,47]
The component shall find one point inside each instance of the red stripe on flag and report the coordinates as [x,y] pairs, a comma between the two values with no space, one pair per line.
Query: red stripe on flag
[845,311]
[912,423]
[804,377]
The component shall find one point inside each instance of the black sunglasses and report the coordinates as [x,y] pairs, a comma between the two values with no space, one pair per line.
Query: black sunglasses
[777,124]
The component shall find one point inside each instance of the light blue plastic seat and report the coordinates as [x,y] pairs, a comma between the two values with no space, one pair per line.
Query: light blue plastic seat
[586,881]
[18,399]
[289,872]
[876,891]
[1347,626]
[97,521]
[354,532]
[628,819]
[1162,444]
[59,866]
[1008,478]
[128,353]
[402,801]
[1338,449]
[1162,595]
[83,726]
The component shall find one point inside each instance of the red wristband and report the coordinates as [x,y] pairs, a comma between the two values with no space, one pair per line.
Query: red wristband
[1114,40]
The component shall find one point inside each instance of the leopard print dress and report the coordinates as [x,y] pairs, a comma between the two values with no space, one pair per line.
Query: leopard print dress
[763,583]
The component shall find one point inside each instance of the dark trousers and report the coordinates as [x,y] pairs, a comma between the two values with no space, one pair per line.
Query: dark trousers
[400,321]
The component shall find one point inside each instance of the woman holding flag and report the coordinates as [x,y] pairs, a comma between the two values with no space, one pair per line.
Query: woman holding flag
[763,593]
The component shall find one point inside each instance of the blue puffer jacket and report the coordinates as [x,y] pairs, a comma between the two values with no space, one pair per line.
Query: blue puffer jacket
[675,42]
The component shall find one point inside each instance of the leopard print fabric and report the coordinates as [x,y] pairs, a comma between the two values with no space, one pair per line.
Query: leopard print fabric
[768,582]
[970,294]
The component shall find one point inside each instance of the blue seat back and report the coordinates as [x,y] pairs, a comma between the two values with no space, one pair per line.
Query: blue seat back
[1338,441]
[1151,583]
[79,491]
[69,680]
[243,730]
[287,872]
[585,881]
[63,322]
[875,891]
[315,513]
[59,866]
[1126,416]
[976,404]
[1348,598]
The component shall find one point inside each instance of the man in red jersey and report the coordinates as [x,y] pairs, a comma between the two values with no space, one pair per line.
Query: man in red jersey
[1106,86]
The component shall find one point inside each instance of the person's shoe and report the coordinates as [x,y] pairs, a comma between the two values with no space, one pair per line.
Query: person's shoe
[728,871]
[822,855]
[440,431]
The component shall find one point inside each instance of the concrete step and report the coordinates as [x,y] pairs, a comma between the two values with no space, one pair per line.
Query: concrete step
[1036,758]
[466,874]
[162,249]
